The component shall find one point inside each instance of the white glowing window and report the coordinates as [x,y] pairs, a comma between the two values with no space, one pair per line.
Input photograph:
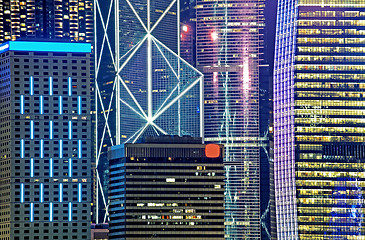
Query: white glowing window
[140,204]
[170,179]
[217,186]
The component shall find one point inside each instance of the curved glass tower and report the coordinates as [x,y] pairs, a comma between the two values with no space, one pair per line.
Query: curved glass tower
[319,124]
[228,53]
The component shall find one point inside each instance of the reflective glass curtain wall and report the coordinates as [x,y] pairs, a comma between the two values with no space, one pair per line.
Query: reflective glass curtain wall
[319,125]
[229,44]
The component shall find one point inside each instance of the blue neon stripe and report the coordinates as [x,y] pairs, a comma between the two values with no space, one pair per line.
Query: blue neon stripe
[61,192]
[69,212]
[80,193]
[70,167]
[69,86]
[31,167]
[79,105]
[80,149]
[42,148]
[22,192]
[41,104]
[61,149]
[31,129]
[31,85]
[50,86]
[69,129]
[50,129]
[46,47]
[60,105]
[51,167]
[21,104]
[51,212]
[31,212]
[22,148]
[42,192]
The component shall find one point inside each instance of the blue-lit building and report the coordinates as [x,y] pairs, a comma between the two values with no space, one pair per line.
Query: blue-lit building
[45,145]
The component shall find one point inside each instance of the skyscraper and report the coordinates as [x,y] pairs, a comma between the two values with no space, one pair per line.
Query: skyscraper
[45,146]
[166,188]
[70,20]
[319,125]
[229,45]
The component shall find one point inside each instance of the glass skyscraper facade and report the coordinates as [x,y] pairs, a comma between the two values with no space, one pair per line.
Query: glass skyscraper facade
[152,76]
[47,19]
[319,119]
[229,44]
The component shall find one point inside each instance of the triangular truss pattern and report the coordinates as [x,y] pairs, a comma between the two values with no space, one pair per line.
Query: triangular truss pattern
[148,89]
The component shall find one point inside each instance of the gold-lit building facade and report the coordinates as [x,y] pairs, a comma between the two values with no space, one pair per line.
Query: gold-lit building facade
[319,119]
[42,19]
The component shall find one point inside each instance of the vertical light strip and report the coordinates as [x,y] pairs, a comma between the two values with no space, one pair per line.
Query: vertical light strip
[61,149]
[79,105]
[50,86]
[21,104]
[51,167]
[69,129]
[80,193]
[41,192]
[31,129]
[31,167]
[60,105]
[69,212]
[61,192]
[69,86]
[42,148]
[22,192]
[70,167]
[31,85]
[50,129]
[80,149]
[22,148]
[41,105]
[51,212]
[31,212]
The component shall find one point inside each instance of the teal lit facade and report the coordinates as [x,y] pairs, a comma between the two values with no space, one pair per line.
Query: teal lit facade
[46,142]
[319,119]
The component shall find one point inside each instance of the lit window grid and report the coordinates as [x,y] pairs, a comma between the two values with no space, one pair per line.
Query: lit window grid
[345,113]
